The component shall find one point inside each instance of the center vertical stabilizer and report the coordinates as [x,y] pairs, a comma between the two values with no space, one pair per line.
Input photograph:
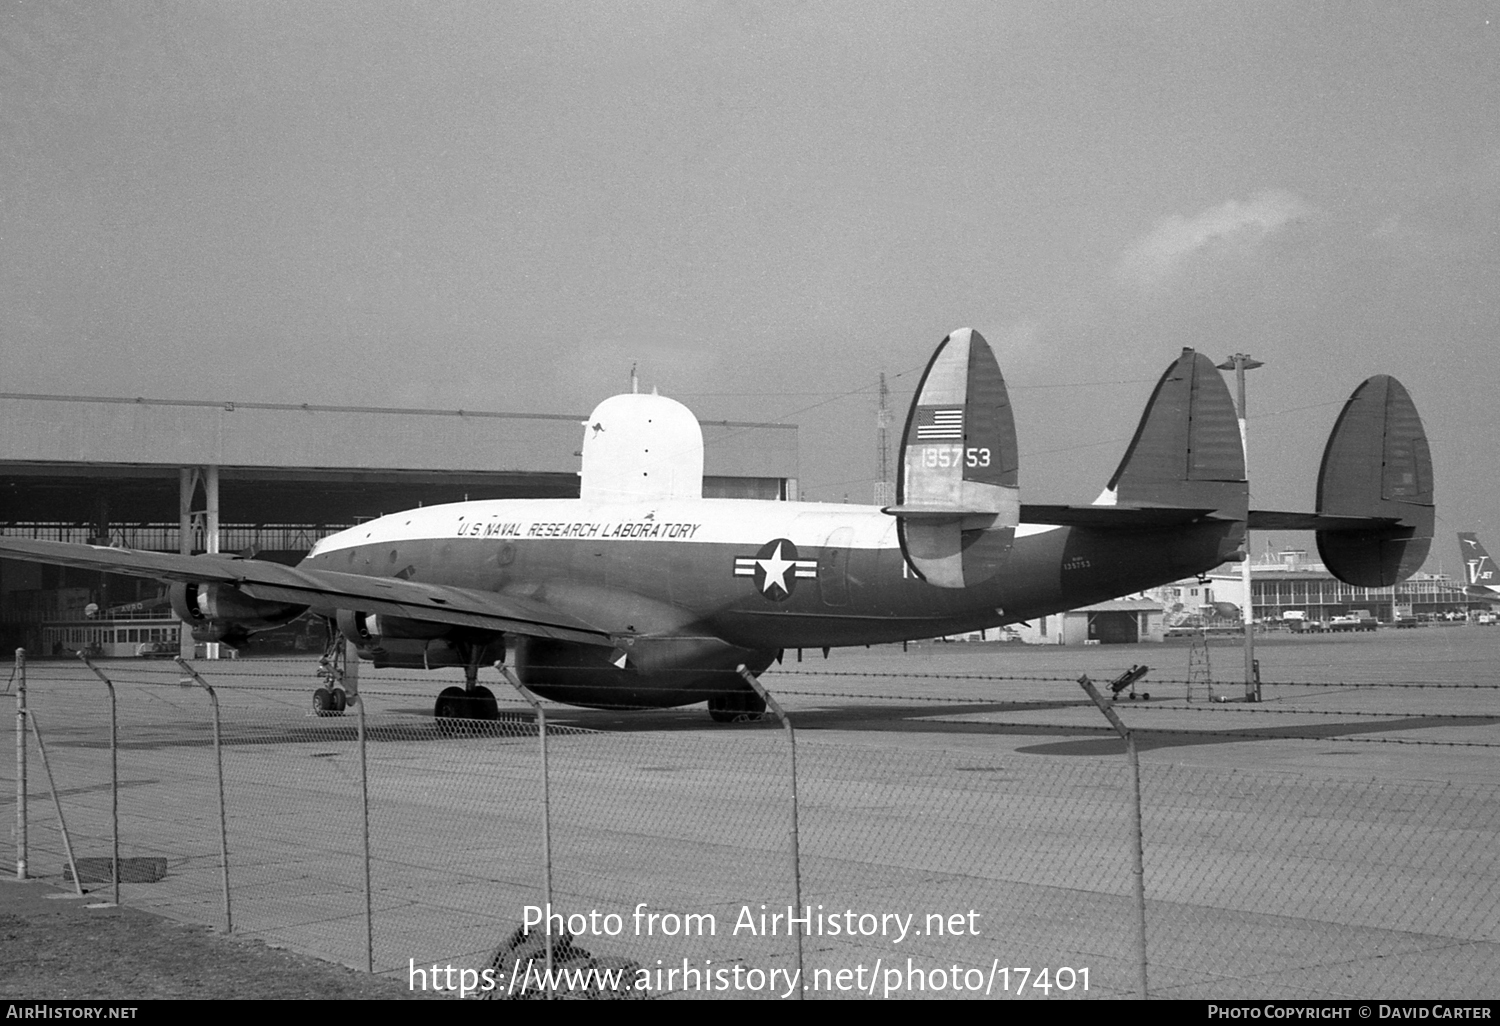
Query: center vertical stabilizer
[1187,449]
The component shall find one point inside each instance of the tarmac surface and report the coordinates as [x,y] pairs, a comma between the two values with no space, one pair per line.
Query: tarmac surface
[963,813]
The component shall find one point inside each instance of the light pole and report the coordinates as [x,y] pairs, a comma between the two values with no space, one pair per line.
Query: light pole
[1240,363]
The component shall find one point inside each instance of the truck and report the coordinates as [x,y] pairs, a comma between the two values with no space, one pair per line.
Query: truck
[1354,620]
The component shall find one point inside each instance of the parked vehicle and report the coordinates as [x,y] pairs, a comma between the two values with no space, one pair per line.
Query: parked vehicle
[1354,620]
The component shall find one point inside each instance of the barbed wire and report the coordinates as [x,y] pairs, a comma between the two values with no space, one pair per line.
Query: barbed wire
[1262,709]
[1031,678]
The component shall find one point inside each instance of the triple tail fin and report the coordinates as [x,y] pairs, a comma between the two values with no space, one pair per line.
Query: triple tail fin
[1187,451]
[1375,493]
[1186,462]
[957,500]
[1377,464]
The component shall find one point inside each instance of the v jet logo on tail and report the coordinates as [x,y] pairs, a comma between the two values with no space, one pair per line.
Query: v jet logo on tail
[775,569]
[1480,567]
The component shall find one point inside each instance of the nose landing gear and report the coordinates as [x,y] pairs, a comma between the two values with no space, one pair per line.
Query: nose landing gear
[329,702]
[330,699]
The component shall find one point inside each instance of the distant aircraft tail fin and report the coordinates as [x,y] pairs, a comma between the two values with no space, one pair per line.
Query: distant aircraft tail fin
[1377,465]
[1187,450]
[957,501]
[1479,568]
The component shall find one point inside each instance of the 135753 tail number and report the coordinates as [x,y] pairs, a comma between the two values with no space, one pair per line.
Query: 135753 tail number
[954,456]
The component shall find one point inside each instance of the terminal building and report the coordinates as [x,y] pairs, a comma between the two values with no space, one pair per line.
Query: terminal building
[269,479]
[1291,582]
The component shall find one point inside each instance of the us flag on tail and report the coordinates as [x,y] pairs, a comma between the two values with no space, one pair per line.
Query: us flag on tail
[940,423]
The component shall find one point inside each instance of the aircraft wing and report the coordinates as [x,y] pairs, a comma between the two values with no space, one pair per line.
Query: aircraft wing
[274,582]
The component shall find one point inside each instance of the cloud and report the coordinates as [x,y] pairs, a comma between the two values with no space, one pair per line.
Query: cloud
[1232,226]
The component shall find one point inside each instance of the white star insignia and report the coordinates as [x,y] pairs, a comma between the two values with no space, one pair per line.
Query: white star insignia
[775,568]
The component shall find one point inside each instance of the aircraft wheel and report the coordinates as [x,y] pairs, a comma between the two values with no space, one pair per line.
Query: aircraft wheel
[752,708]
[451,704]
[328,702]
[482,704]
[737,707]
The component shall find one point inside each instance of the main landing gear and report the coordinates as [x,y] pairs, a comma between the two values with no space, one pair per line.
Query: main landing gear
[737,707]
[473,701]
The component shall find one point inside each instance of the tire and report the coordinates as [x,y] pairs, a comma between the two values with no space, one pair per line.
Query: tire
[737,707]
[323,703]
[482,704]
[754,707]
[451,704]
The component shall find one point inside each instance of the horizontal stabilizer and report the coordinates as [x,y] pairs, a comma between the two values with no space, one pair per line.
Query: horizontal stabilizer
[1377,466]
[936,512]
[957,502]
[1119,517]
[1276,520]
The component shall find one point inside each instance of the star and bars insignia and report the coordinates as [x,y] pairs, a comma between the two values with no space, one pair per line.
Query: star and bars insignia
[776,569]
[940,423]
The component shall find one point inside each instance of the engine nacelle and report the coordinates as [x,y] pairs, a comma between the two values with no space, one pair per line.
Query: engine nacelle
[418,644]
[222,613]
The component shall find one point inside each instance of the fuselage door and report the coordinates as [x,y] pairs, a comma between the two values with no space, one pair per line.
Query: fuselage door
[833,567]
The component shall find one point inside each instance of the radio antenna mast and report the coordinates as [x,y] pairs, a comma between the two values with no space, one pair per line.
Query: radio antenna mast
[884,492]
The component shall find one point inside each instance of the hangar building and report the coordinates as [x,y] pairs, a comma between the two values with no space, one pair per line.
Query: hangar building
[1290,580]
[202,476]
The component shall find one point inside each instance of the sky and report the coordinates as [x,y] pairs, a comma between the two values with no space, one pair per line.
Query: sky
[764,206]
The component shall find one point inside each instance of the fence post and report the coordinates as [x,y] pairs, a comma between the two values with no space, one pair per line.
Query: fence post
[20,764]
[1138,854]
[364,795]
[791,738]
[114,774]
[62,824]
[541,729]
[223,814]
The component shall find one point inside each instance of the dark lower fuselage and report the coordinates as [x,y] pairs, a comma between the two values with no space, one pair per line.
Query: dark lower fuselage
[690,590]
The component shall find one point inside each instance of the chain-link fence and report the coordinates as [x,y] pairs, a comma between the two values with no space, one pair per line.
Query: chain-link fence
[957,834]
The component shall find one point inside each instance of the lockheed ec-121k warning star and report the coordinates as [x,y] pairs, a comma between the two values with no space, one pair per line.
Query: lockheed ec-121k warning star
[641,593]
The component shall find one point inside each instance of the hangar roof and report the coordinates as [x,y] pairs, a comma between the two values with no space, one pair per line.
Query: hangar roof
[287,463]
[183,432]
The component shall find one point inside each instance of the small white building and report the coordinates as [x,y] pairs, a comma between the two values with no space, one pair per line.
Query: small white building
[1122,621]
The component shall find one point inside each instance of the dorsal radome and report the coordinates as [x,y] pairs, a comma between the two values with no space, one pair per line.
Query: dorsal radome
[641,447]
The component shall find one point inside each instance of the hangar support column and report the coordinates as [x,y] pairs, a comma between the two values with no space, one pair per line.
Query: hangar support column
[195,523]
[187,484]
